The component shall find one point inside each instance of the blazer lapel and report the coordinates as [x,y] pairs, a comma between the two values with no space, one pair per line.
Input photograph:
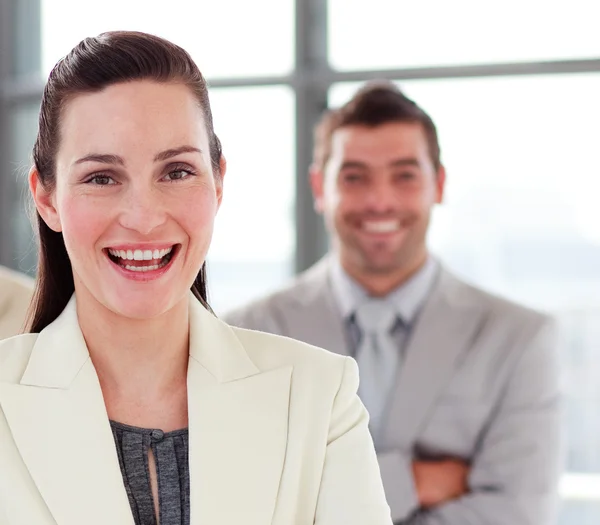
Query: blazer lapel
[238,424]
[442,333]
[59,423]
[315,318]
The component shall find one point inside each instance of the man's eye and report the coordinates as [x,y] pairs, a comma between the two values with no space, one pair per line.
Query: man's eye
[353,177]
[406,175]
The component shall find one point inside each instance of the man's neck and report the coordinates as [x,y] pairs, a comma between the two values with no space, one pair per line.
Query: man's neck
[382,284]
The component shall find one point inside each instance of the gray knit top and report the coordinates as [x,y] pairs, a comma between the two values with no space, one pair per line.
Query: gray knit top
[170,451]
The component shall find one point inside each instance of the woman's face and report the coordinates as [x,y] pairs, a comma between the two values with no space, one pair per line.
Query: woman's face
[135,195]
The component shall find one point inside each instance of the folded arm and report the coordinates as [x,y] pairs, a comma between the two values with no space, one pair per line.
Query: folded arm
[514,475]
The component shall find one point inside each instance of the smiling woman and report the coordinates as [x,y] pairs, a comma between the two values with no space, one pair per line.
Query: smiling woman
[129,401]
[132,179]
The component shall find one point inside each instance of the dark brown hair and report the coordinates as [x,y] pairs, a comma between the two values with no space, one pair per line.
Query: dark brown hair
[376,103]
[94,64]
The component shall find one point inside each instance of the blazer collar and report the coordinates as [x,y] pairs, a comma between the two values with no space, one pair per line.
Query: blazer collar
[60,351]
[208,337]
[238,421]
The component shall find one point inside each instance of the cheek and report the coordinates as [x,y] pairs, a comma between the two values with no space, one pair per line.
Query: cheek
[82,221]
[340,201]
[418,199]
[427,200]
[196,212]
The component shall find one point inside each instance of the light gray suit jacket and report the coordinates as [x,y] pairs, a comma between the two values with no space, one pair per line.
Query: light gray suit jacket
[479,382]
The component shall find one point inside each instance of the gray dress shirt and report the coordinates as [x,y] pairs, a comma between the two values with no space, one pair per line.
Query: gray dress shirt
[407,301]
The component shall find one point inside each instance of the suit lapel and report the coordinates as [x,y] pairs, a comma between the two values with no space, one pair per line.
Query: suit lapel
[315,318]
[238,424]
[238,421]
[442,333]
[60,426]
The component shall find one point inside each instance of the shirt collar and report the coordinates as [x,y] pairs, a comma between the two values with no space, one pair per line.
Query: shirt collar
[407,299]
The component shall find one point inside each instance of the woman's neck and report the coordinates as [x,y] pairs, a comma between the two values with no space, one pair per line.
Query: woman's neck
[137,359]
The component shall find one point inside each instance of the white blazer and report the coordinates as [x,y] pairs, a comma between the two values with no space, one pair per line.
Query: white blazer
[277,433]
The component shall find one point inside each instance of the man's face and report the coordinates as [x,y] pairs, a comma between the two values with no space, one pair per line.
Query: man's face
[376,192]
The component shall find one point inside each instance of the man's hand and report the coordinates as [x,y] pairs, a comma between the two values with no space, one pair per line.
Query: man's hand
[440,481]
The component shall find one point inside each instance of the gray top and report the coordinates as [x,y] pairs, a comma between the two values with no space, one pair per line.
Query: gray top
[170,451]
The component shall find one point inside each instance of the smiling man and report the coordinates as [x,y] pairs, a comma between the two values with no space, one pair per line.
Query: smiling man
[461,385]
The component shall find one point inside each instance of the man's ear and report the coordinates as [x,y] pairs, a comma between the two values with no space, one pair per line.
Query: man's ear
[317,185]
[440,184]
[44,201]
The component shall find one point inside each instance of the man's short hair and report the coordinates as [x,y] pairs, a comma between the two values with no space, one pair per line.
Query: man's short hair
[376,103]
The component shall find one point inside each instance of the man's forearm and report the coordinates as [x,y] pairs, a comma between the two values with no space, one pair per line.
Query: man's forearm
[489,508]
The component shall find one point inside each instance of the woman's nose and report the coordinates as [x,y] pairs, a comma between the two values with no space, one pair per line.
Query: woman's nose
[143,211]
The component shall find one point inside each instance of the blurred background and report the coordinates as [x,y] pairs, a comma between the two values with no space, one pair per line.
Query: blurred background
[513,86]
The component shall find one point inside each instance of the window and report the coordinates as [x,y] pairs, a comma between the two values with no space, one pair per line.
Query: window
[24,127]
[384,34]
[228,38]
[254,241]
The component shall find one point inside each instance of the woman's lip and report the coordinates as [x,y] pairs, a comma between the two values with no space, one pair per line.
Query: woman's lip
[133,247]
[147,275]
[142,276]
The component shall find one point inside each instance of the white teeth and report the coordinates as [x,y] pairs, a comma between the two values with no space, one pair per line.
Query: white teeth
[142,268]
[381,226]
[140,255]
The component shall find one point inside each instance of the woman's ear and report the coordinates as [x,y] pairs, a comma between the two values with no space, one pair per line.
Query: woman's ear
[44,201]
[222,170]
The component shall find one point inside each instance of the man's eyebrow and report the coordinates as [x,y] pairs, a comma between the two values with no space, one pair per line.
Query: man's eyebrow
[353,164]
[408,161]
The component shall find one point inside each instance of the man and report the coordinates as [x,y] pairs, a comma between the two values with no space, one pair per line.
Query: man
[461,385]
[15,294]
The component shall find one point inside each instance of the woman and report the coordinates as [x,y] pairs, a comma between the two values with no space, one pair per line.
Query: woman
[129,402]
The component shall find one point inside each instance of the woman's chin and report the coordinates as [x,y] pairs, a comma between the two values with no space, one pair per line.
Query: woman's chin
[141,307]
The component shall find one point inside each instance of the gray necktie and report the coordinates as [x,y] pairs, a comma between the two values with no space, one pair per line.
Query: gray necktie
[377,357]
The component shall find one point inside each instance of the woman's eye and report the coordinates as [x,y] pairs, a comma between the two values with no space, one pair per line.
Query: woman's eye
[178,174]
[100,180]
